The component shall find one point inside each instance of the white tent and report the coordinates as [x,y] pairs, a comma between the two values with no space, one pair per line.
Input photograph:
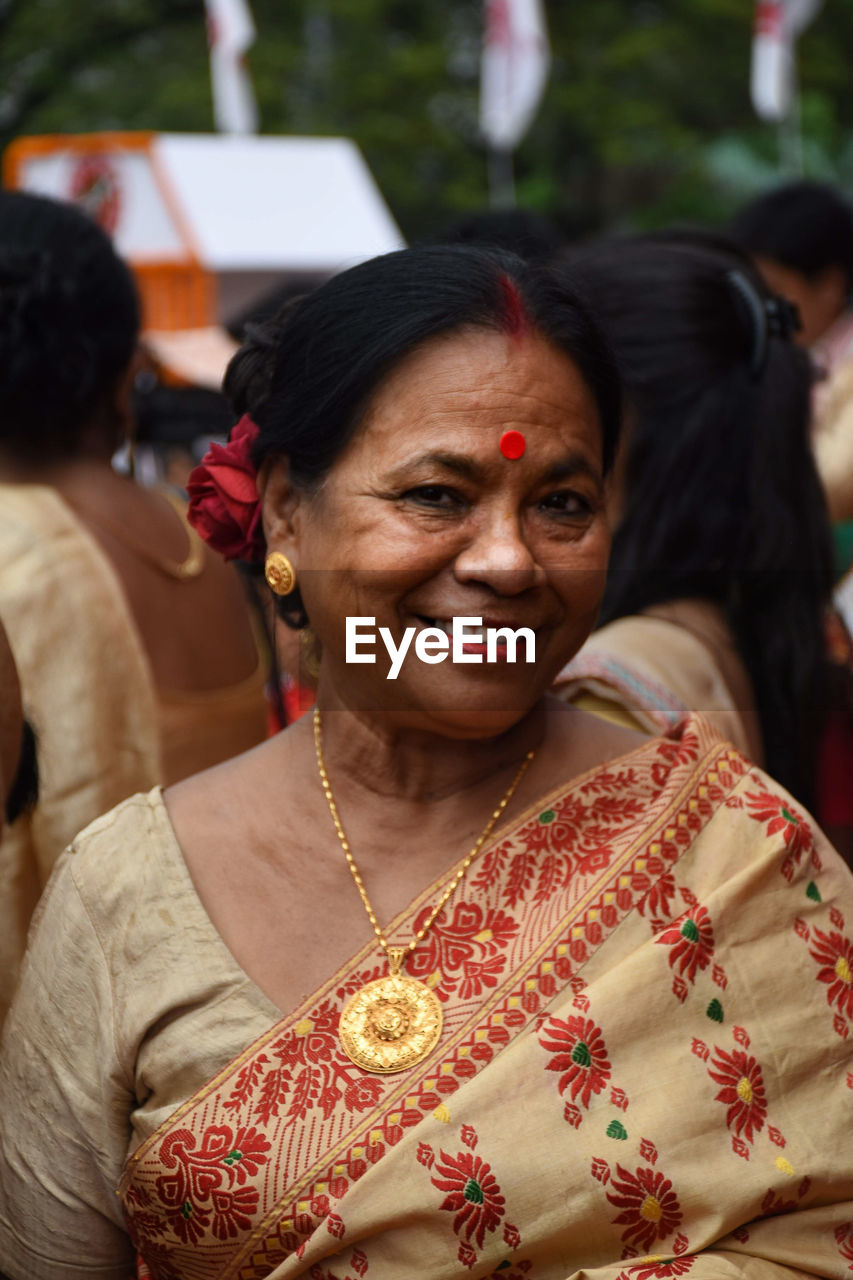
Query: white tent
[211,222]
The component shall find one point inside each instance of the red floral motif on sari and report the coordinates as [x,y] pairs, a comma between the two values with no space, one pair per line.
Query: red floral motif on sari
[303,1070]
[782,818]
[358,1262]
[742,1091]
[579,1052]
[691,942]
[659,886]
[204,1189]
[658,1270]
[473,1195]
[844,1240]
[650,1208]
[834,953]
[466,953]
[773,1205]
[574,837]
[683,750]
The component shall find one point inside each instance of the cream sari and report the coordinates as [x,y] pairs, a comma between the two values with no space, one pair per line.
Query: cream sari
[645,1068]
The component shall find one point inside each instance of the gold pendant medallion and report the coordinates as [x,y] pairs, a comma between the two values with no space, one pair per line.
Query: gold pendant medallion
[392,1023]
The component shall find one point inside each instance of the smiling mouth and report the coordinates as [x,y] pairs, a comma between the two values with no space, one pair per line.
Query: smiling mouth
[475,641]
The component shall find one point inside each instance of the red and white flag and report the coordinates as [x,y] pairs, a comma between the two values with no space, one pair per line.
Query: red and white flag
[230,32]
[514,70]
[778,23]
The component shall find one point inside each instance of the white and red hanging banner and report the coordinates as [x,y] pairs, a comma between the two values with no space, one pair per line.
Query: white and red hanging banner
[514,70]
[230,33]
[778,23]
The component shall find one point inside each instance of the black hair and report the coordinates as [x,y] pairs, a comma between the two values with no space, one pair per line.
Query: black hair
[24,791]
[520,231]
[722,501]
[308,377]
[69,321]
[807,226]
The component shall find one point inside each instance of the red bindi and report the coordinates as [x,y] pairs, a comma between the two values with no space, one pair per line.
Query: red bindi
[512,445]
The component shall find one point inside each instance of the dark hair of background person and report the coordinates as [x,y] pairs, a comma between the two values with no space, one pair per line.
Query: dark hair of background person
[23,794]
[520,231]
[69,321]
[807,226]
[308,378]
[722,498]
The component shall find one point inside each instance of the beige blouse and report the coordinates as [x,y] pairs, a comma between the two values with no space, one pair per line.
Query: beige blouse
[87,691]
[121,929]
[684,659]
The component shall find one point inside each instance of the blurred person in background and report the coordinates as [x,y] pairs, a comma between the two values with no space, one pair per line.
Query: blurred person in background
[721,572]
[456,980]
[137,659]
[11,723]
[530,235]
[801,237]
[18,788]
[18,767]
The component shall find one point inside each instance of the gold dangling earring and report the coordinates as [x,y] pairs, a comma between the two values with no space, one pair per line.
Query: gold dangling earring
[309,648]
[279,573]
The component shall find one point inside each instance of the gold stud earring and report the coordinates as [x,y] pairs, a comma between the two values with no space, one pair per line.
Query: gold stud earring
[279,573]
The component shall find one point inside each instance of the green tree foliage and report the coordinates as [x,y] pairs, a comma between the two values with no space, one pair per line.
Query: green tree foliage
[646,118]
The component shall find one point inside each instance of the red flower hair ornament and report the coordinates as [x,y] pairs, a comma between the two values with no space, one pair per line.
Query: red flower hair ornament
[225,508]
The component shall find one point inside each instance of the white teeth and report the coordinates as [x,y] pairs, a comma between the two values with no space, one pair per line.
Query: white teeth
[446,625]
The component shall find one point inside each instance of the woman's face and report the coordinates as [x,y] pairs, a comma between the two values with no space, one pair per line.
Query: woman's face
[422,519]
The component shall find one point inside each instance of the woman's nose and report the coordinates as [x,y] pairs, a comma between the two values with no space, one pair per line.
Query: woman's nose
[498,556]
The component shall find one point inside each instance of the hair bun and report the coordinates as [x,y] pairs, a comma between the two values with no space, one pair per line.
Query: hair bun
[38,331]
[31,293]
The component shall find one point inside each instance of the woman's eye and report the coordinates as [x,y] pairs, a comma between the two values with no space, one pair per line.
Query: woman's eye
[436,496]
[566,503]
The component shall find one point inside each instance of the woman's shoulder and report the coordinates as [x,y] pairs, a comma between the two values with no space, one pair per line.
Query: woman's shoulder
[651,766]
[138,824]
[660,666]
[123,860]
[122,898]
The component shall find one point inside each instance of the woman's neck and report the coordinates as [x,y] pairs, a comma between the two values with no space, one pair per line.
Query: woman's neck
[370,754]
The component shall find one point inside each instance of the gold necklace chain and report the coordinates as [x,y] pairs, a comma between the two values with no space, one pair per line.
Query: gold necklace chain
[396,955]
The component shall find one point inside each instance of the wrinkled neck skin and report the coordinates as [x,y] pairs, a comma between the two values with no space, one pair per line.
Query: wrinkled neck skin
[379,755]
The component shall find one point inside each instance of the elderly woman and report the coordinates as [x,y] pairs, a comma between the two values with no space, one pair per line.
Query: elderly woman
[455,980]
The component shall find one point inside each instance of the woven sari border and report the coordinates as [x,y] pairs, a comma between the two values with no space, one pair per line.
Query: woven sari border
[504,832]
[281,1215]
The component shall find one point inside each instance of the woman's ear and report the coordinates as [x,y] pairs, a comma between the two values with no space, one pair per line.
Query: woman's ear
[281,506]
[122,398]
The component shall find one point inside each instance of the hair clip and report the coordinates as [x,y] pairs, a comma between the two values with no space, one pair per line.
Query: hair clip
[783,317]
[775,317]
